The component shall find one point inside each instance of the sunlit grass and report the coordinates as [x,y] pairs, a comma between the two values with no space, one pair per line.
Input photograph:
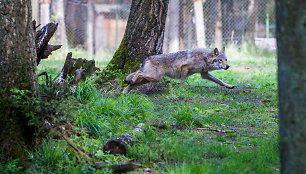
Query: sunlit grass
[248,143]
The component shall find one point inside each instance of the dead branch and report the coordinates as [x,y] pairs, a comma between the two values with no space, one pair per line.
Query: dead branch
[216,130]
[62,77]
[120,144]
[47,77]
[42,38]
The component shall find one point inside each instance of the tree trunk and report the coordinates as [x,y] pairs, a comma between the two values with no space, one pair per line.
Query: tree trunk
[174,25]
[199,22]
[143,36]
[35,10]
[291,40]
[90,28]
[218,32]
[44,12]
[59,17]
[251,20]
[17,71]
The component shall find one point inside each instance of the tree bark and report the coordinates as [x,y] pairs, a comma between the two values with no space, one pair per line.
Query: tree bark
[143,36]
[291,40]
[120,144]
[17,71]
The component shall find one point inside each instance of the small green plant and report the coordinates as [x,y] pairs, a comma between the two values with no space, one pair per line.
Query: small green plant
[51,152]
[186,116]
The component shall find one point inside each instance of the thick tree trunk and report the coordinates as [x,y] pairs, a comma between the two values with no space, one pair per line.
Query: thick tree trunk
[143,36]
[291,40]
[17,71]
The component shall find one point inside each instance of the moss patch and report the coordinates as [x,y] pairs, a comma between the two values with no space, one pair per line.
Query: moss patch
[121,63]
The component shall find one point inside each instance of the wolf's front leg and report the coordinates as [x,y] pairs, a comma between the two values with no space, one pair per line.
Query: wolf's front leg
[127,89]
[208,76]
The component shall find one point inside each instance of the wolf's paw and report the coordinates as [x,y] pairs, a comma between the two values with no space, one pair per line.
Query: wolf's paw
[231,86]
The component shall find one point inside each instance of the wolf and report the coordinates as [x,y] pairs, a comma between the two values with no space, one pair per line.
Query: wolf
[180,65]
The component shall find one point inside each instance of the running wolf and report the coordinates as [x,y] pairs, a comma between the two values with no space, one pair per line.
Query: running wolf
[179,65]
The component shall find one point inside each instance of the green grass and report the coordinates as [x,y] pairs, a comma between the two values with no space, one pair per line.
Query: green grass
[250,144]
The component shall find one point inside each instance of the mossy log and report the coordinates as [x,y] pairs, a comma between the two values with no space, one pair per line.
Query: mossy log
[120,144]
[42,38]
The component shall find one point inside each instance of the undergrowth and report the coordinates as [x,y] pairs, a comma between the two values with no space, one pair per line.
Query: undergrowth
[196,128]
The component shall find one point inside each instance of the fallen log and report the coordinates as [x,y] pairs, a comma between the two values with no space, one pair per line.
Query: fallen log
[120,144]
[121,167]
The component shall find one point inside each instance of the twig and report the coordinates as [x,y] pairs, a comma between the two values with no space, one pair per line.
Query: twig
[47,77]
[216,130]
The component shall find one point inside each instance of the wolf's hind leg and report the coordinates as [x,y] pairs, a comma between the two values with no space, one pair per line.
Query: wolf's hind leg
[210,77]
[139,76]
[184,73]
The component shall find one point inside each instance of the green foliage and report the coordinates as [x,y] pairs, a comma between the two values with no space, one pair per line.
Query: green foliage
[187,116]
[240,132]
[26,104]
[51,152]
[102,113]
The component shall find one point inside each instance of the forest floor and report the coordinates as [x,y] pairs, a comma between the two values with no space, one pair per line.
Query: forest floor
[199,127]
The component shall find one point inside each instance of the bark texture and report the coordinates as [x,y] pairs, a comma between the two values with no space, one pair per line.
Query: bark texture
[291,40]
[143,36]
[121,143]
[17,71]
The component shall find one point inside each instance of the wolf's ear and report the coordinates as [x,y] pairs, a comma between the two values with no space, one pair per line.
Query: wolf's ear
[223,50]
[216,51]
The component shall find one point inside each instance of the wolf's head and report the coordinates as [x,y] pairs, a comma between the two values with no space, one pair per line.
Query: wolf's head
[218,59]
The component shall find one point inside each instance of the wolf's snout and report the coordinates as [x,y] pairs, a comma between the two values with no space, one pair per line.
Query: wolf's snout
[227,66]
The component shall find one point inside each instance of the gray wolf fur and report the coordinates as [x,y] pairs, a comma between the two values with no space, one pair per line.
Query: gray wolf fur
[179,65]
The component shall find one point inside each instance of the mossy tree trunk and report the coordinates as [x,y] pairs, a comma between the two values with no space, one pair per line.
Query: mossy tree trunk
[17,71]
[291,41]
[143,36]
